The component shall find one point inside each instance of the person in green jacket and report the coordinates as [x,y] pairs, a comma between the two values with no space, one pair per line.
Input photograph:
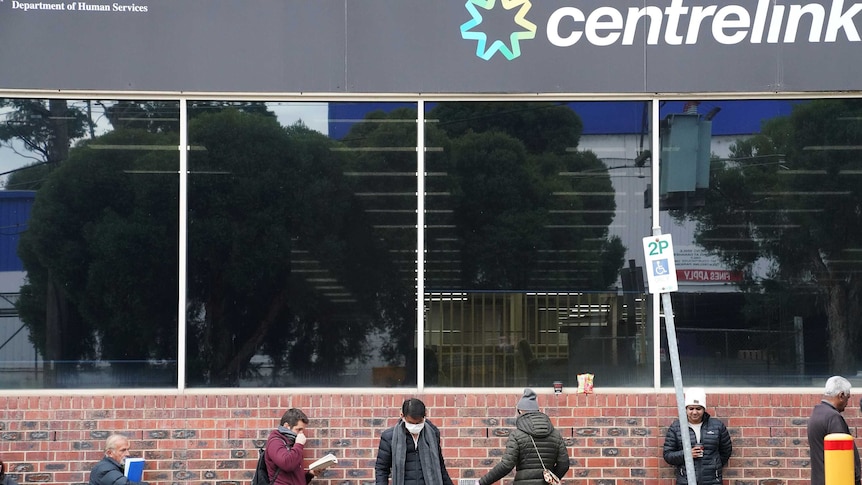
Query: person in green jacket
[533,446]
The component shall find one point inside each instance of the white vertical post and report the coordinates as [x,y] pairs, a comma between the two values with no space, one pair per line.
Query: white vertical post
[655,150]
[183,245]
[420,244]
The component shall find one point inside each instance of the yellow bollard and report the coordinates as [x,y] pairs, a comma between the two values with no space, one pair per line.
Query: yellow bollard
[838,459]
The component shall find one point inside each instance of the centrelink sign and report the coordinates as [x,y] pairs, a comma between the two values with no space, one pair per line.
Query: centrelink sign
[442,46]
[677,24]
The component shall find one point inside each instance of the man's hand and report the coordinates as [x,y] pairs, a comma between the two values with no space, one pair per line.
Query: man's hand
[300,438]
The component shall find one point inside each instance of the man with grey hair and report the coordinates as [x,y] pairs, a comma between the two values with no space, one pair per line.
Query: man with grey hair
[109,471]
[825,419]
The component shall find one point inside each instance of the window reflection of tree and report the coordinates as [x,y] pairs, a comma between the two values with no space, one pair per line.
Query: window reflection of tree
[790,194]
[521,219]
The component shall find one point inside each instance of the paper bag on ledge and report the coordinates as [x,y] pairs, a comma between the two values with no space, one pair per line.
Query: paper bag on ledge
[585,383]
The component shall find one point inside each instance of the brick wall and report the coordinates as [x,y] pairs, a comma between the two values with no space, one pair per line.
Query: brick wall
[614,439]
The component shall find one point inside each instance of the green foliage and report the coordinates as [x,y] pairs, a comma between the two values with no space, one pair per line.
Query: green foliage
[41,130]
[267,203]
[82,244]
[543,127]
[791,196]
[493,176]
[268,206]
[510,203]
[164,116]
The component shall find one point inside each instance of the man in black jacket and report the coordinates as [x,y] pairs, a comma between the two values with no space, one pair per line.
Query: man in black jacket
[711,446]
[826,419]
[410,453]
[109,470]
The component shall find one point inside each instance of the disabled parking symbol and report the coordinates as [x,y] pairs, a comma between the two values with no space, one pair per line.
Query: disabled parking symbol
[660,267]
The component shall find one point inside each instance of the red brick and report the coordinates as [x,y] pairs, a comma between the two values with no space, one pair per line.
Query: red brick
[614,438]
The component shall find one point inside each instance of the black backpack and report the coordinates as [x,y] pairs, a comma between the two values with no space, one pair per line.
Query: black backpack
[261,474]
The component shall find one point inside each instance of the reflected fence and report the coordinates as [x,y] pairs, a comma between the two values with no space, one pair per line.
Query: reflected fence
[87,374]
[739,357]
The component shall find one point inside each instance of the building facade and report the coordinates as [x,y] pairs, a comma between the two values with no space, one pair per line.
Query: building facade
[336,205]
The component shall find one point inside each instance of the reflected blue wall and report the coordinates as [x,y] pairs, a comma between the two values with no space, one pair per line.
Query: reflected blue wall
[739,117]
[15,208]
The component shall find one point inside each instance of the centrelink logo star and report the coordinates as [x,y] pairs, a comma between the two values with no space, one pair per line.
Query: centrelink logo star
[482,49]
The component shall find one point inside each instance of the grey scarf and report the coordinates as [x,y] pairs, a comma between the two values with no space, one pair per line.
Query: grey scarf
[429,454]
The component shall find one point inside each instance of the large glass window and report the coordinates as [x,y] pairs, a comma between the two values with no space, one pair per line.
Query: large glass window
[531,215]
[89,243]
[769,223]
[302,244]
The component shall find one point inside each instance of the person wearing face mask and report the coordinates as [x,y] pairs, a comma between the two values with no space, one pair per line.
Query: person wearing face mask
[533,446]
[4,478]
[284,448]
[711,446]
[409,452]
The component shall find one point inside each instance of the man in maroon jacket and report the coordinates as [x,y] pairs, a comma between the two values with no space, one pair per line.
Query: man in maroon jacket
[284,450]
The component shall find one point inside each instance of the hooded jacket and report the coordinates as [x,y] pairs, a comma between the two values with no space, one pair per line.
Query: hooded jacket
[521,454]
[717,449]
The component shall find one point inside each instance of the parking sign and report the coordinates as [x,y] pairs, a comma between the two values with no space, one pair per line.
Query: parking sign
[660,266]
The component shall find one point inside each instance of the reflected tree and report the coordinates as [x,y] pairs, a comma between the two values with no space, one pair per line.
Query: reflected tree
[164,116]
[790,197]
[522,194]
[273,212]
[266,204]
[493,174]
[383,161]
[274,227]
[89,216]
[42,131]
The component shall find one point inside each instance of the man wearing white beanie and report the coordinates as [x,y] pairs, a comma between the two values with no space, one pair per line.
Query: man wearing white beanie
[710,442]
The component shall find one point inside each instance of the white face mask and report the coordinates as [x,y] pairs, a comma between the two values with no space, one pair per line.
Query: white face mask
[414,428]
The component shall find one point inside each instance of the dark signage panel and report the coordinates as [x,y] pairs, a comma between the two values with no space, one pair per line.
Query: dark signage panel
[417,46]
[174,45]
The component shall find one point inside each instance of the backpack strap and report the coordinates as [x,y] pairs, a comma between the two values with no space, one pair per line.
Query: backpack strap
[277,469]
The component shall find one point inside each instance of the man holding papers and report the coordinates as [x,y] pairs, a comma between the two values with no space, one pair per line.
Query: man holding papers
[284,448]
[323,463]
[109,471]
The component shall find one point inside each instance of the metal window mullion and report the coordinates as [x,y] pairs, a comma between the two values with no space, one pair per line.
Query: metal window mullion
[420,244]
[654,213]
[183,245]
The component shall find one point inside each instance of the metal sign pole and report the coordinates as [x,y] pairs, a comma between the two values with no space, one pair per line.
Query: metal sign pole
[661,273]
[673,350]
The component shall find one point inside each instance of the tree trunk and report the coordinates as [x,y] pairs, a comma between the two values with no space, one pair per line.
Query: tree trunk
[56,317]
[56,311]
[58,147]
[841,355]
